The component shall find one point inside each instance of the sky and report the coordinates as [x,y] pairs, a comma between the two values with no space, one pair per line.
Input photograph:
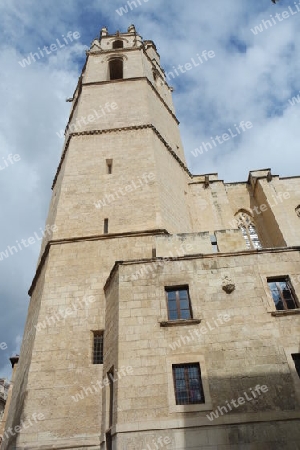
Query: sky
[251,79]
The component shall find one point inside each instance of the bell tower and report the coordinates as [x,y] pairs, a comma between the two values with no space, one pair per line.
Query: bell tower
[121,182]
[122,149]
[158,318]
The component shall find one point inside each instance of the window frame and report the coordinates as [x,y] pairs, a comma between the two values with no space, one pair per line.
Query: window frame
[117,41]
[176,289]
[191,358]
[105,226]
[187,379]
[112,61]
[97,333]
[287,280]
[244,221]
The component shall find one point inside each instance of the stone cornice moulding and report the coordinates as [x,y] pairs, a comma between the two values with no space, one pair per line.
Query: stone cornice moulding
[96,237]
[115,130]
[178,422]
[95,83]
[198,256]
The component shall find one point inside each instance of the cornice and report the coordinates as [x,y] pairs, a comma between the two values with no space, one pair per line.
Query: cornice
[97,237]
[124,80]
[116,130]
[198,256]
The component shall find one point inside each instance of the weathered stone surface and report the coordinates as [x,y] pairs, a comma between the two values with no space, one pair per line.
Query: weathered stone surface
[163,227]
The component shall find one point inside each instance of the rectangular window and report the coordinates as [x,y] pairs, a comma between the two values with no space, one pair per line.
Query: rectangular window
[98,347]
[109,163]
[178,301]
[296,359]
[282,293]
[116,69]
[214,243]
[188,384]
[105,227]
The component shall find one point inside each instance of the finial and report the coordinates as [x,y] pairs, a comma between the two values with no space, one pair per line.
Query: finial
[131,29]
[104,32]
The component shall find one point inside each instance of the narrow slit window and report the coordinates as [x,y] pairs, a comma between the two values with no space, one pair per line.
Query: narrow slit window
[109,163]
[116,69]
[105,230]
[214,243]
[108,441]
[110,377]
[98,347]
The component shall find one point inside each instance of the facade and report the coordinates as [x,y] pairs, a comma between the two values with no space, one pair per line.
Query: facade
[5,395]
[164,312]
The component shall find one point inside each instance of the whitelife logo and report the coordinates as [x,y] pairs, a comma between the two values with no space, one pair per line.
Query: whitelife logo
[85,120]
[132,4]
[280,196]
[266,24]
[259,390]
[134,185]
[26,242]
[195,62]
[9,160]
[24,425]
[53,48]
[294,100]
[118,373]
[242,127]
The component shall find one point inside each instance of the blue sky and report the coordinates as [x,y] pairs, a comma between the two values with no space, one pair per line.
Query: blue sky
[251,78]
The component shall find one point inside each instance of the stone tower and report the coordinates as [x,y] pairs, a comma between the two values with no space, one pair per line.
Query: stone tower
[160,298]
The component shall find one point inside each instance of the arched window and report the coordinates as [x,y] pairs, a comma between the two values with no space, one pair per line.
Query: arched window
[298,210]
[118,44]
[116,69]
[247,227]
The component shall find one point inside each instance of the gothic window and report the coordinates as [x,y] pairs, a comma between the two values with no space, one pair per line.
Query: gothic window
[178,301]
[118,44]
[116,69]
[298,210]
[248,229]
[188,384]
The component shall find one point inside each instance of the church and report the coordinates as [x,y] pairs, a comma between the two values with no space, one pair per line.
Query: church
[165,308]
